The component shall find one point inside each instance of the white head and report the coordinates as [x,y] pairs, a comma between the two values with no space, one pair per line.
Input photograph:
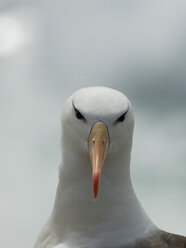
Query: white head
[98,122]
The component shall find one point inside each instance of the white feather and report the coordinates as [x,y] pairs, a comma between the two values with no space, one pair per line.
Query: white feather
[117,217]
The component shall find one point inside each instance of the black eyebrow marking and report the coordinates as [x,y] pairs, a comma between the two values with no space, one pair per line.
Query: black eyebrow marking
[78,114]
[121,118]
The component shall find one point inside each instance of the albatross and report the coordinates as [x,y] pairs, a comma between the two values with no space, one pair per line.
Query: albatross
[95,204]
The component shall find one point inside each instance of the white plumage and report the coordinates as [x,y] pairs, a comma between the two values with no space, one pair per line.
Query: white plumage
[116,218]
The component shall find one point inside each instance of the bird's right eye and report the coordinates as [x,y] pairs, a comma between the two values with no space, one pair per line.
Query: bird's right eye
[78,114]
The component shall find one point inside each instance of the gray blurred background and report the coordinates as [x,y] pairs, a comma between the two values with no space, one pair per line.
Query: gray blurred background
[49,49]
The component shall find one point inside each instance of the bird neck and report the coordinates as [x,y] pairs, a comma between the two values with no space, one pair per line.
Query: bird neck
[116,212]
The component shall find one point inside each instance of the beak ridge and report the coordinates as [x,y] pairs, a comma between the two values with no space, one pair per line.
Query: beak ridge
[98,144]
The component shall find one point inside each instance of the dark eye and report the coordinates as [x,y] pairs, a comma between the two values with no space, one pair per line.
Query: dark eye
[121,118]
[79,115]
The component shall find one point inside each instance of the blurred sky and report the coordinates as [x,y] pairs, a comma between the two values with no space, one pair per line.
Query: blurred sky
[49,49]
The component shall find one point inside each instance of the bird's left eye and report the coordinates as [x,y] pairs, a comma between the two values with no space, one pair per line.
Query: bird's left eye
[121,118]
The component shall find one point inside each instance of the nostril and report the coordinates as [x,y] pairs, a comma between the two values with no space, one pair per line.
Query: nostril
[103,143]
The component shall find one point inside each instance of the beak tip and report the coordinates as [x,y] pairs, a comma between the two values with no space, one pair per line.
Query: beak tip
[95,184]
[95,195]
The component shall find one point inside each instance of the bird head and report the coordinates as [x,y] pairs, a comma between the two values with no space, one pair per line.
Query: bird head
[99,122]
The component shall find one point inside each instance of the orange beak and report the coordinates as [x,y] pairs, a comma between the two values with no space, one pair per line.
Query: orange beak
[98,144]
